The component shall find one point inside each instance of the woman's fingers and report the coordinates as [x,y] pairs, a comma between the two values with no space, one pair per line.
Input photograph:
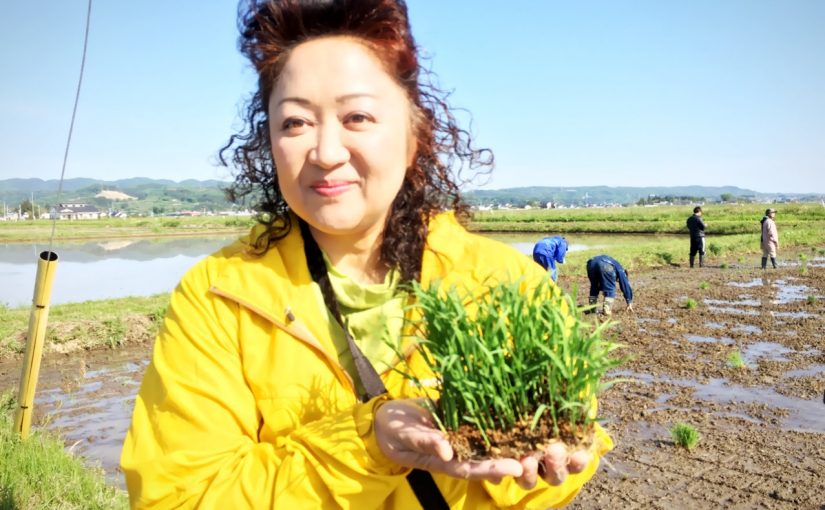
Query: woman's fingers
[555,464]
[530,475]
[579,460]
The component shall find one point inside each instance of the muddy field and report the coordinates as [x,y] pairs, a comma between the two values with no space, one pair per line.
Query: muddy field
[762,427]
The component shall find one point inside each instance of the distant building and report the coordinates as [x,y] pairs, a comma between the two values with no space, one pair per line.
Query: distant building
[76,212]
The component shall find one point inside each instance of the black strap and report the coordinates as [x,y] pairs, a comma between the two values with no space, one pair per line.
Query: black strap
[421,482]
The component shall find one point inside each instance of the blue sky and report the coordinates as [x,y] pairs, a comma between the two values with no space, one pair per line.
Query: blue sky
[610,93]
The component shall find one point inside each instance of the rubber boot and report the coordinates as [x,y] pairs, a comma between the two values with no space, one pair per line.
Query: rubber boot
[592,300]
[701,260]
[764,262]
[773,261]
[608,305]
[692,258]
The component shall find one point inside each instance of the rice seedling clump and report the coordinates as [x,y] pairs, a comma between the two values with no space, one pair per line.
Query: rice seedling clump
[516,368]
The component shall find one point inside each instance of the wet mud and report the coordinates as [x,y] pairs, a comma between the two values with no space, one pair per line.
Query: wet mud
[762,426]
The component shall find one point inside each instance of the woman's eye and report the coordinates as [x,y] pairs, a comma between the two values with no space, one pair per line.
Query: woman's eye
[358,118]
[293,124]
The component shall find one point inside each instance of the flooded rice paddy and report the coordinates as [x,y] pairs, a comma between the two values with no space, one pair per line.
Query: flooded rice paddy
[762,425]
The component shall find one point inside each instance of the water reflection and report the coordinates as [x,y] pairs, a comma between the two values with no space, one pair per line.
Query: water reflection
[103,269]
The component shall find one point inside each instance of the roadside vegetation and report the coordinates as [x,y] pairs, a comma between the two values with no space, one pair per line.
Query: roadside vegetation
[108,323]
[39,474]
[114,228]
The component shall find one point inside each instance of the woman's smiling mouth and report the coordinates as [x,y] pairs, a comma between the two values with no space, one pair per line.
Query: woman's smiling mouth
[331,188]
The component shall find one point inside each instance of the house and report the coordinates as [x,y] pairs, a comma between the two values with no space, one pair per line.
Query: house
[76,212]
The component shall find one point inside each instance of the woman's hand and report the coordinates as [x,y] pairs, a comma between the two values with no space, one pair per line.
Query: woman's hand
[556,464]
[407,435]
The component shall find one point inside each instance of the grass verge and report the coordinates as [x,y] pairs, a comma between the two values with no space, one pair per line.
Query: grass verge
[88,325]
[38,474]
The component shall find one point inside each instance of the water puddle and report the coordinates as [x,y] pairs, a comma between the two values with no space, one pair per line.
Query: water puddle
[709,340]
[786,293]
[757,282]
[803,415]
[747,328]
[734,311]
[793,315]
[811,371]
[88,401]
[714,325]
[769,351]
[744,301]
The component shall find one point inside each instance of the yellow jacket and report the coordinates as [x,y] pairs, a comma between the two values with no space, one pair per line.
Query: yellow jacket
[245,405]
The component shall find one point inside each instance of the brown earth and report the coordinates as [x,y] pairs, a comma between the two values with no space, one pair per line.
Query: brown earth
[762,428]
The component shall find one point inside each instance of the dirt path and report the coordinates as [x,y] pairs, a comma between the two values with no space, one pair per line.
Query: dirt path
[763,428]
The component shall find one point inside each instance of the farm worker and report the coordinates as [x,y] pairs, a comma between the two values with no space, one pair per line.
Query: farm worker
[770,238]
[696,226]
[548,251]
[257,396]
[603,272]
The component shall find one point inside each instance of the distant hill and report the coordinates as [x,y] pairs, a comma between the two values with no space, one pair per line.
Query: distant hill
[606,195]
[163,196]
[152,196]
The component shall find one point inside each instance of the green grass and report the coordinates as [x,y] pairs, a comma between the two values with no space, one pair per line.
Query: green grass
[732,229]
[38,473]
[113,228]
[511,356]
[690,304]
[91,324]
[735,360]
[685,435]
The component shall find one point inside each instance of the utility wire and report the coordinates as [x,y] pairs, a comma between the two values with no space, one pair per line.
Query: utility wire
[71,123]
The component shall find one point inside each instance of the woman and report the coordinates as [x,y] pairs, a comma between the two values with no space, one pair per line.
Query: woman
[252,396]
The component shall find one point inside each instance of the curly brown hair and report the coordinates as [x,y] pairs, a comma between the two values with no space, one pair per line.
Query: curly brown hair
[270,29]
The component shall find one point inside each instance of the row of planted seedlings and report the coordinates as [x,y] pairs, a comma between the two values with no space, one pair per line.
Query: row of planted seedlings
[516,367]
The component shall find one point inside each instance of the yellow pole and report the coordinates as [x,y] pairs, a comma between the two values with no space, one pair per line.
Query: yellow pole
[46,266]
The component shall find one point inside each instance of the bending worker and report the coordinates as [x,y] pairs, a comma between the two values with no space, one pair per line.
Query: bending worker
[603,271]
[548,251]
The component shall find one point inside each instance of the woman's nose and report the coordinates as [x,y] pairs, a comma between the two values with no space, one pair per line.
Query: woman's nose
[329,151]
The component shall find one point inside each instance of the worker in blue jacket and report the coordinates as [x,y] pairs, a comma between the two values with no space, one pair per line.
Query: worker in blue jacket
[603,271]
[548,251]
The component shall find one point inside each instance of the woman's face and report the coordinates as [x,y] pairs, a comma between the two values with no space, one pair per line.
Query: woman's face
[341,137]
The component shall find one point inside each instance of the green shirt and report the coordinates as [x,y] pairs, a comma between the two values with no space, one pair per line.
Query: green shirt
[374,314]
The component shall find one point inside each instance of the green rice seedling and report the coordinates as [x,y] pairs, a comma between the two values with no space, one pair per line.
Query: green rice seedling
[803,270]
[685,435]
[811,299]
[714,249]
[512,359]
[735,360]
[821,251]
[724,265]
[665,257]
[704,285]
[803,258]
[690,304]
[740,260]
